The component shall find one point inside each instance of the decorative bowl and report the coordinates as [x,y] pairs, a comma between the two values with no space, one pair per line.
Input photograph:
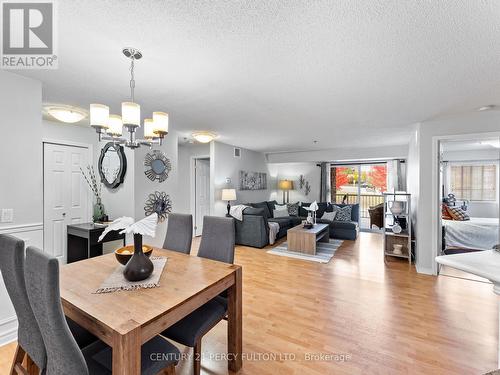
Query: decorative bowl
[123,254]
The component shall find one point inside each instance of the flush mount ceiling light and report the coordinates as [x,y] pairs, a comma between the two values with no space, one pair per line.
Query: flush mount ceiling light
[110,127]
[65,113]
[204,136]
[488,107]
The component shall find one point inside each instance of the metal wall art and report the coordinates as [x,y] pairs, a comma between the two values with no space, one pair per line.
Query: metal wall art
[253,180]
[160,203]
[302,181]
[157,166]
[307,188]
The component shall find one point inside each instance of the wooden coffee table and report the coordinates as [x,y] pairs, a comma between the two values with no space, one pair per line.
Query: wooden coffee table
[304,240]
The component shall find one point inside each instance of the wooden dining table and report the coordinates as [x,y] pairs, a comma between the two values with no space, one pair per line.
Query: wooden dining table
[127,319]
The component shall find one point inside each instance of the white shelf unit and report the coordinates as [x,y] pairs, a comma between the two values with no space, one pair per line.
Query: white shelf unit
[404,219]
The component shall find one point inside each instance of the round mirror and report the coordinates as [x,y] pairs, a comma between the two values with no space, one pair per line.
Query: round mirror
[157,165]
[112,165]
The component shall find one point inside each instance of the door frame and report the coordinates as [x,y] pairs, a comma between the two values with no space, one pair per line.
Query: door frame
[192,184]
[90,149]
[436,219]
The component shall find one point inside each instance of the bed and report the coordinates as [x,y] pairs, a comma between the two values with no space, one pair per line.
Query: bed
[477,233]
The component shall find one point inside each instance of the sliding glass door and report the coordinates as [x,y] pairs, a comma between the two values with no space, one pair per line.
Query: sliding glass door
[361,183]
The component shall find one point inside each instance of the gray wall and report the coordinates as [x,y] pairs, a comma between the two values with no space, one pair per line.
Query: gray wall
[144,186]
[292,171]
[225,165]
[20,173]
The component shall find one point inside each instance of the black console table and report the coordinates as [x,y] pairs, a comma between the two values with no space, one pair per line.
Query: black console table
[82,240]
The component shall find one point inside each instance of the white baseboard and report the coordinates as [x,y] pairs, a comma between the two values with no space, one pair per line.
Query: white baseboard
[8,330]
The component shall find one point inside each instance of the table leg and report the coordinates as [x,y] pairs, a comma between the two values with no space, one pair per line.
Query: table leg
[234,324]
[127,353]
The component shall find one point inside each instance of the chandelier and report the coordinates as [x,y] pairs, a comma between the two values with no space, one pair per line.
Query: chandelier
[110,127]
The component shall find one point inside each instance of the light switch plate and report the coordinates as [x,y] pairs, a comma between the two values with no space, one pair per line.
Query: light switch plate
[7,215]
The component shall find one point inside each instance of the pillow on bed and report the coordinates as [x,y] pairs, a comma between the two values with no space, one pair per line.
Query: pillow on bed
[445,215]
[458,214]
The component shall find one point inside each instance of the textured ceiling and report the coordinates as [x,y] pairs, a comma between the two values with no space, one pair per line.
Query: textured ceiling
[277,75]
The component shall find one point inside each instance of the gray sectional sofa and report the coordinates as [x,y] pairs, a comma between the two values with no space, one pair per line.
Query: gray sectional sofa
[253,230]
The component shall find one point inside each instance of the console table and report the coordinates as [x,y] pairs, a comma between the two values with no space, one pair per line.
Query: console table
[83,240]
[482,263]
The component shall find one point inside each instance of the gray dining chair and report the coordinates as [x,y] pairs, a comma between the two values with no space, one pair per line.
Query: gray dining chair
[63,354]
[29,337]
[179,233]
[217,243]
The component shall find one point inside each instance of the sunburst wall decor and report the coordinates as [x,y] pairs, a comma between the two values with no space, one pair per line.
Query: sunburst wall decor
[158,202]
[157,165]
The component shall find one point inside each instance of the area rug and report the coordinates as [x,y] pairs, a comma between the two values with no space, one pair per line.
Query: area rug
[324,251]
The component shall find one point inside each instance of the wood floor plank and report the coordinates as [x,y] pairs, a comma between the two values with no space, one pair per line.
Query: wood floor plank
[377,319]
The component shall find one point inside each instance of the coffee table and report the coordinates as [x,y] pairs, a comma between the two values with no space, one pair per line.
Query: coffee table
[304,240]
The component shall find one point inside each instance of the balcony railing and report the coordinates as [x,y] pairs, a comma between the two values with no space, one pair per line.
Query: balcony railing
[365,201]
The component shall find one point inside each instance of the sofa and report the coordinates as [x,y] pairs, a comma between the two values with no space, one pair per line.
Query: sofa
[253,230]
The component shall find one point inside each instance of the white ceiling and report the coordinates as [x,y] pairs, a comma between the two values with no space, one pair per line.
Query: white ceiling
[276,75]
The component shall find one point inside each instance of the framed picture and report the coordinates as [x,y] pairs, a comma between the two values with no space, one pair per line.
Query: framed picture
[253,180]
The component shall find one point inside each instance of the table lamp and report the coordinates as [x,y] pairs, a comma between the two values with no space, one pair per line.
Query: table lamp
[286,186]
[228,195]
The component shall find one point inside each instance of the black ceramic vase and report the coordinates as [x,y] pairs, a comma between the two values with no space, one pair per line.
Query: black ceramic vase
[139,267]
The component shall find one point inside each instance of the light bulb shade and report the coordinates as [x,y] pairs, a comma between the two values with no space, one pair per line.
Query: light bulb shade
[99,116]
[160,121]
[115,125]
[131,113]
[149,128]
[285,185]
[228,194]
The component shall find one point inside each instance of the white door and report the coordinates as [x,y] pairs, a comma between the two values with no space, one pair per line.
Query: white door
[202,193]
[65,196]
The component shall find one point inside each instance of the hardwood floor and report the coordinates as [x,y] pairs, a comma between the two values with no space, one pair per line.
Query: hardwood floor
[376,318]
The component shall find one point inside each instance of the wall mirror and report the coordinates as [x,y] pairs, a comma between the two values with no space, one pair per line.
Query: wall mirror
[112,165]
[157,166]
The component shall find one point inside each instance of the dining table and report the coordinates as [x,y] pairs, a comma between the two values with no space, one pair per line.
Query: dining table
[125,320]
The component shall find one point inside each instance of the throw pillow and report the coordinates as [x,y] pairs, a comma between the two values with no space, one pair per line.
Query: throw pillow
[280,212]
[293,209]
[342,213]
[329,216]
[444,213]
[458,214]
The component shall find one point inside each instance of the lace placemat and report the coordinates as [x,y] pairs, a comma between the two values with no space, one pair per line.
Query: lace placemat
[116,281]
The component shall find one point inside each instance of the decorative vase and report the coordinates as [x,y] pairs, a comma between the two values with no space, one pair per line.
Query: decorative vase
[99,211]
[397,207]
[139,267]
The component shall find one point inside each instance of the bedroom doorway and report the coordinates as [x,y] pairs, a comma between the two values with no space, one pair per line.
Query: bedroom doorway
[469,194]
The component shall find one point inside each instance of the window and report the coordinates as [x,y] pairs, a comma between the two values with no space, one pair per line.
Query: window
[474,182]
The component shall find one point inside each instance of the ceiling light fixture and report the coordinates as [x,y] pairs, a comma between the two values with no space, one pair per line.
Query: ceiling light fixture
[65,113]
[110,127]
[488,107]
[204,136]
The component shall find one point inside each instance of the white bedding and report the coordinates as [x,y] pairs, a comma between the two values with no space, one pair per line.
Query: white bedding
[477,233]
